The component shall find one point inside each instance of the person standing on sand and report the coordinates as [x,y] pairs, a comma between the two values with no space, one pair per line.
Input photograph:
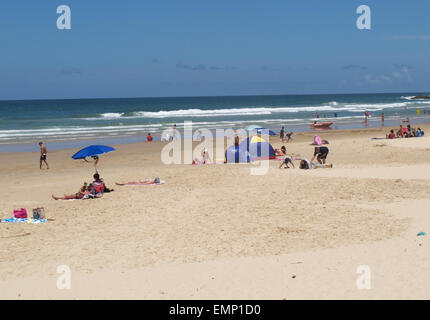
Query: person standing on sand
[43,152]
[173,137]
[281,134]
[236,140]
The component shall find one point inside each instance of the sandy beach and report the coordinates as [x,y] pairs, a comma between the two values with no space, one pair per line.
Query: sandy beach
[216,231]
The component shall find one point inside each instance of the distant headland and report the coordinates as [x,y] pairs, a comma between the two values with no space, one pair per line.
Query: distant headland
[421,97]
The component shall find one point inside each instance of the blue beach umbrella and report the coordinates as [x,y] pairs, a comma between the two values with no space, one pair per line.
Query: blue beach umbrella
[91,151]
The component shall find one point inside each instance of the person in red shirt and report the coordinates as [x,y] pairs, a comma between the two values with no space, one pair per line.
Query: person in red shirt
[392,135]
[149,137]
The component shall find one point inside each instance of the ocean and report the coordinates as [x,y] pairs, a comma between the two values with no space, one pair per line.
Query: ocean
[66,123]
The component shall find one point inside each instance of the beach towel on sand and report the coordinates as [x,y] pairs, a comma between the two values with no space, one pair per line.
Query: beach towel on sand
[23,220]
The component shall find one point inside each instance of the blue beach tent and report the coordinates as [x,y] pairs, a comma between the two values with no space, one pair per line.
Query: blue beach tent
[258,148]
[236,154]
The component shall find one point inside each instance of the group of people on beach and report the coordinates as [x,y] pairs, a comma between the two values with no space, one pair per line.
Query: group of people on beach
[285,136]
[405,132]
[95,189]
[320,154]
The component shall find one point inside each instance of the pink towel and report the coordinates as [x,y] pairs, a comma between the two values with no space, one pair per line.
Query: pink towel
[317,141]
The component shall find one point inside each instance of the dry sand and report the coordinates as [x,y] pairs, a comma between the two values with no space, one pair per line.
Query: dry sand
[217,231]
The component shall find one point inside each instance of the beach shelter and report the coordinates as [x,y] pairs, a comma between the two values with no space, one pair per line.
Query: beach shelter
[236,154]
[258,148]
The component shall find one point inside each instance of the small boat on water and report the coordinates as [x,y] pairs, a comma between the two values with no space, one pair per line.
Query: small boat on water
[321,125]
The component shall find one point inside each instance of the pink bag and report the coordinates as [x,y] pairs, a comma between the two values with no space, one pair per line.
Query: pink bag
[22,213]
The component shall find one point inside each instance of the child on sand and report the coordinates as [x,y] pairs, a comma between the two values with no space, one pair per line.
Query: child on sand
[392,135]
[286,161]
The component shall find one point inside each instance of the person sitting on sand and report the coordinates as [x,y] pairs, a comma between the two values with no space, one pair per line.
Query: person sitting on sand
[392,135]
[281,152]
[99,185]
[305,164]
[321,154]
[83,191]
[206,159]
[419,132]
[140,182]
[403,132]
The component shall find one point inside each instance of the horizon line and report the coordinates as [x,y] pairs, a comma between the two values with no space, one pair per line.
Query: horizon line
[209,96]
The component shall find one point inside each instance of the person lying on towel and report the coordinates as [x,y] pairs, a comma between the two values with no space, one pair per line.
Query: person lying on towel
[140,182]
[83,191]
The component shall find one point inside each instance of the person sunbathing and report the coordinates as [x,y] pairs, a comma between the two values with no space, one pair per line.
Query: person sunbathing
[281,152]
[206,159]
[83,191]
[140,182]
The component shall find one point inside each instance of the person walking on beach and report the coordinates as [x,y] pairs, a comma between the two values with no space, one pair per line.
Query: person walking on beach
[281,134]
[43,152]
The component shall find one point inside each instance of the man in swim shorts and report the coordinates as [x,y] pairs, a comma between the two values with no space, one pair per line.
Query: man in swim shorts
[321,154]
[43,152]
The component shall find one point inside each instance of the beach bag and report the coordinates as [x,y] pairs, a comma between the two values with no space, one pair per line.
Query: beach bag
[20,214]
[39,213]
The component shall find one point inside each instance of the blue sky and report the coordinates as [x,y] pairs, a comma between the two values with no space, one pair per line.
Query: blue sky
[198,48]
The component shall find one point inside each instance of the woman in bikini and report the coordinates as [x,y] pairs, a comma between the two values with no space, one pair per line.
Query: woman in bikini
[141,182]
[83,191]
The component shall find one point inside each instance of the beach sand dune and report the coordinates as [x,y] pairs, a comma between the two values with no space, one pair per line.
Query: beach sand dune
[219,232]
